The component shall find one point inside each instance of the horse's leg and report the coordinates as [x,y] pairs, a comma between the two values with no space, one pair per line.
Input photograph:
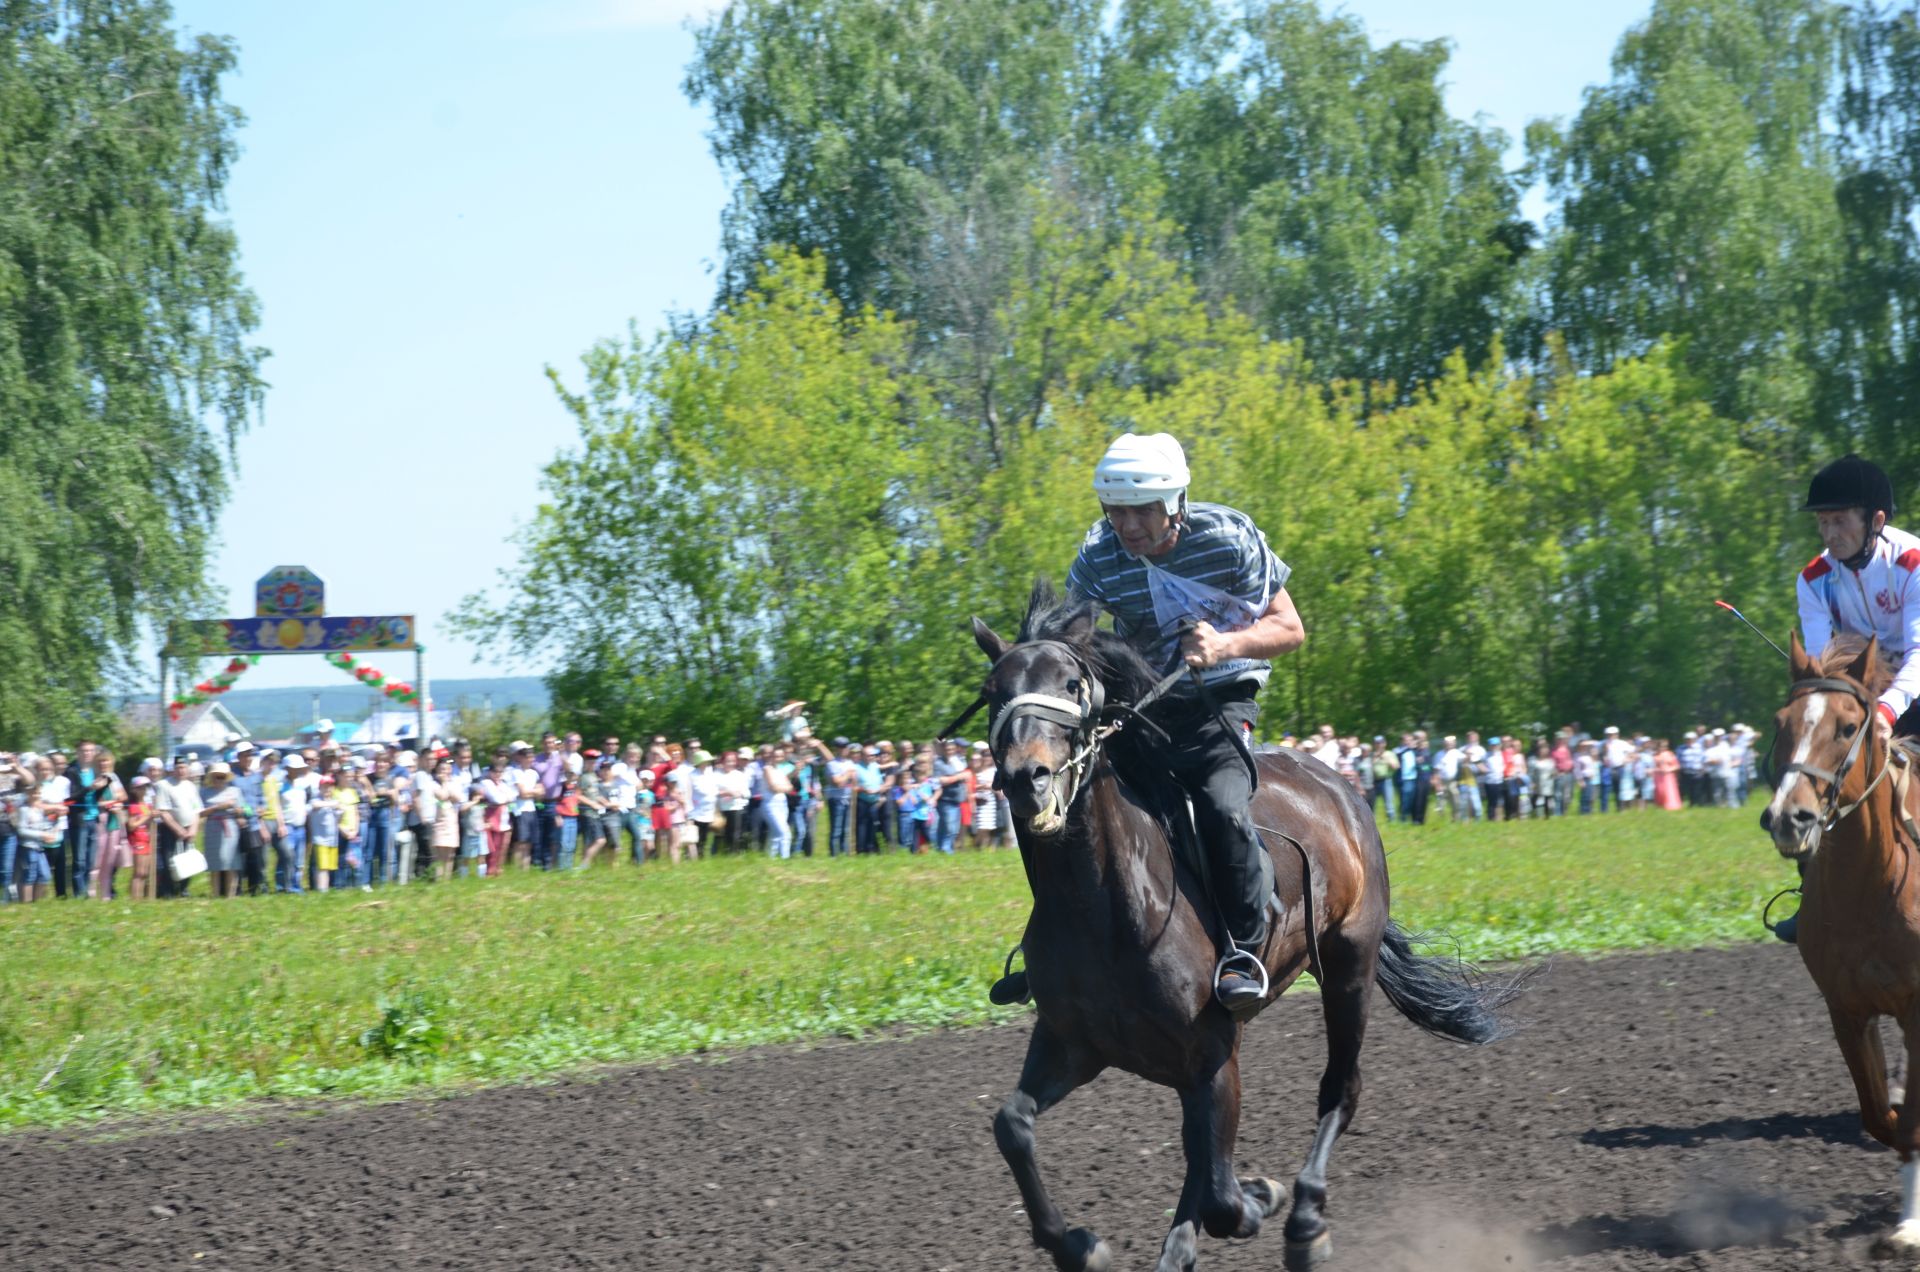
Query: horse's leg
[1859,1039]
[1050,1074]
[1212,1198]
[1343,1002]
[1904,1240]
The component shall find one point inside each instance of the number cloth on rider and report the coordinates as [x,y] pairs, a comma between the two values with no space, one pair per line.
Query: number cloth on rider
[1883,600]
[1220,572]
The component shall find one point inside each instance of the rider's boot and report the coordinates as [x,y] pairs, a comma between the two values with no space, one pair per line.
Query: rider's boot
[1011,988]
[1240,980]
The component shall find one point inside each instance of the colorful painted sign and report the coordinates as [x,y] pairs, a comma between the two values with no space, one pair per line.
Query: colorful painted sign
[367,633]
[289,591]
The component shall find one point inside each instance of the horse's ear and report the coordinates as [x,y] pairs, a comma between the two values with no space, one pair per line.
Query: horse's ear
[989,641]
[1078,629]
[1803,667]
[1864,667]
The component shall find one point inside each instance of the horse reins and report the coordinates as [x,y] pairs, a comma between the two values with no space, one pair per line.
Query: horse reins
[1089,732]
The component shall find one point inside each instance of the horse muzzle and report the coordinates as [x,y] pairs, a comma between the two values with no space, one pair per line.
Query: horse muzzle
[1030,791]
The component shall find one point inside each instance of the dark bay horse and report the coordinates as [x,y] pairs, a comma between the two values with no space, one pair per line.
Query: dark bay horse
[1122,941]
[1846,807]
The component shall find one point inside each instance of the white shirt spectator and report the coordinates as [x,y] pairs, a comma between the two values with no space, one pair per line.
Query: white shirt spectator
[1448,764]
[706,794]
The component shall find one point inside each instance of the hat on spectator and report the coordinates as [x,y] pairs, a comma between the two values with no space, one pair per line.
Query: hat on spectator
[295,760]
[873,750]
[323,726]
[591,753]
[1611,730]
[142,780]
[408,759]
[843,742]
[982,745]
[152,761]
[518,745]
[699,757]
[243,748]
[219,768]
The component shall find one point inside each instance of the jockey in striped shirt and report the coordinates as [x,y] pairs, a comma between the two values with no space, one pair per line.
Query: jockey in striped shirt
[1194,584]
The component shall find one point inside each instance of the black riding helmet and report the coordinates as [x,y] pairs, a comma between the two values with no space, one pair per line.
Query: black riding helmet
[1852,482]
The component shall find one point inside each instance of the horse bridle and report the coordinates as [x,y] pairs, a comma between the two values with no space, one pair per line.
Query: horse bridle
[1081,716]
[1831,813]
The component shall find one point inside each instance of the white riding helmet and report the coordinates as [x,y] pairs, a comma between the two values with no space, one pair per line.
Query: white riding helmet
[1142,469]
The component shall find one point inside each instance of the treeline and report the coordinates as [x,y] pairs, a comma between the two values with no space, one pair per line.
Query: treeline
[1510,467]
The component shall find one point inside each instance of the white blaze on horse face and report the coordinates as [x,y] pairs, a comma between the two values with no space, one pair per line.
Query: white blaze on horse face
[1813,709]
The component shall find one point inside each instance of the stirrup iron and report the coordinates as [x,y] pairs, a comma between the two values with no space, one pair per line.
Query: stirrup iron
[1245,959]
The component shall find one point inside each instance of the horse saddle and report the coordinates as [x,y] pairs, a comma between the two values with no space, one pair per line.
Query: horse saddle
[1188,849]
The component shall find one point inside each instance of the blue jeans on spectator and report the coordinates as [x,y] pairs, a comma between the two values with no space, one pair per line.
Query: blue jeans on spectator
[293,858]
[1409,792]
[1610,787]
[1589,796]
[639,833]
[83,846]
[566,835]
[547,845]
[773,820]
[946,829]
[1383,792]
[376,847]
[866,811]
[800,821]
[839,824]
[1466,800]
[9,844]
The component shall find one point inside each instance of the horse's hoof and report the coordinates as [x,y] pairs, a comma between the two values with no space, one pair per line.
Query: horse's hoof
[1264,1193]
[1302,1255]
[1902,1243]
[1085,1252]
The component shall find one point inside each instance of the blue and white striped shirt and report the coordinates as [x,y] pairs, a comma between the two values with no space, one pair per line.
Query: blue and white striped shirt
[1219,548]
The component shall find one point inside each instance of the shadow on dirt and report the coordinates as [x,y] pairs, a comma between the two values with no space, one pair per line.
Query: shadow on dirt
[1834,1128]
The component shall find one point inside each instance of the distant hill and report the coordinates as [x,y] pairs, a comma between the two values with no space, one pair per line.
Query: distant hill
[275,713]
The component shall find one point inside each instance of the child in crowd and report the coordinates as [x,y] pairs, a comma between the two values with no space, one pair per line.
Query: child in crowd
[323,835]
[346,798]
[140,837]
[926,792]
[37,832]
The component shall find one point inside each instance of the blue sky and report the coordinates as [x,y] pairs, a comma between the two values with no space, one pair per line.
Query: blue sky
[437,201]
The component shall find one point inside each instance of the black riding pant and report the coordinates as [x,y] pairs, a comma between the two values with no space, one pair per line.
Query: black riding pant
[1207,763]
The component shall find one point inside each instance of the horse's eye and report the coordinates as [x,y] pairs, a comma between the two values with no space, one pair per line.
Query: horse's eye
[1848,730]
[1073,686]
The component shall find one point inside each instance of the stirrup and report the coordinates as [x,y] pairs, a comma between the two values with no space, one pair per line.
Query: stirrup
[1011,989]
[1791,922]
[1241,963]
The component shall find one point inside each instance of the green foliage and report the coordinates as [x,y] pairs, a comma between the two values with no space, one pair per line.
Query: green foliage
[490,731]
[408,1030]
[123,326]
[270,998]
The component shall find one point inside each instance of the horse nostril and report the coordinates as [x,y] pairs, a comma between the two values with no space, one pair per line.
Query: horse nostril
[1766,819]
[1804,816]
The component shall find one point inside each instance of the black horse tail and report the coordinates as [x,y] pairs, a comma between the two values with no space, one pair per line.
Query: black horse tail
[1444,996]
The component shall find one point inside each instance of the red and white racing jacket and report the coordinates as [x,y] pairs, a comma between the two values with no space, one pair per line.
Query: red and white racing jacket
[1882,599]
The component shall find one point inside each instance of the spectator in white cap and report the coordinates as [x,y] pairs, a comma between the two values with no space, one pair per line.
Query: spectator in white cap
[296,801]
[221,842]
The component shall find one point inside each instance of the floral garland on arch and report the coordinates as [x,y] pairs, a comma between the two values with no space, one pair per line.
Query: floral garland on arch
[396,690]
[212,687]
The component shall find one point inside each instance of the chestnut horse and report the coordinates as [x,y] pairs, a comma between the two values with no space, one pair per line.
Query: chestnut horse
[1122,941]
[1845,808]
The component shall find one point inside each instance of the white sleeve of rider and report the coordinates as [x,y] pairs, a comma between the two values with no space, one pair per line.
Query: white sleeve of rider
[1816,625]
[1906,682]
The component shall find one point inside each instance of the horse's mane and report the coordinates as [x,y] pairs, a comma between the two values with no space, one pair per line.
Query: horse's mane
[1840,654]
[1126,675]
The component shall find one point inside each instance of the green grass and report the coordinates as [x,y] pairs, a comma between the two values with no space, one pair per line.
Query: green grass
[152,1007]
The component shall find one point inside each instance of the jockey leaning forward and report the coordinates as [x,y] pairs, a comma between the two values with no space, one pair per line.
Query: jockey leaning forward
[1194,585]
[1867,583]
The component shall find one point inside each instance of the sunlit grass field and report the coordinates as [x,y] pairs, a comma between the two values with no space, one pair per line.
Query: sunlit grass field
[121,1008]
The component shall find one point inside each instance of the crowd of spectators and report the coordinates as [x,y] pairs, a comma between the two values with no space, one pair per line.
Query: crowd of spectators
[329,816]
[1548,774]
